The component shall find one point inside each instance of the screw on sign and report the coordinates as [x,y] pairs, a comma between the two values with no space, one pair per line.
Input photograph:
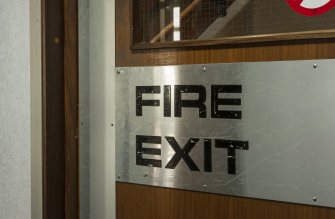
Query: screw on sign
[311,7]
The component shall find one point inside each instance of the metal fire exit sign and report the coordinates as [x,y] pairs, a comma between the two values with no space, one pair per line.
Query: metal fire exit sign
[261,130]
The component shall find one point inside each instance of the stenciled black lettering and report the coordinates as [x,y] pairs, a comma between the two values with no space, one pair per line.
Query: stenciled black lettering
[140,90]
[182,153]
[199,103]
[216,101]
[167,101]
[140,150]
[231,147]
[208,155]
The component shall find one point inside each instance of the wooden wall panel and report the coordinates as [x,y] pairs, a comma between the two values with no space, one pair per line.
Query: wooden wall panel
[137,202]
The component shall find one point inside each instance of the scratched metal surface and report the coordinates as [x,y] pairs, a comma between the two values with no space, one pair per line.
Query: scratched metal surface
[288,118]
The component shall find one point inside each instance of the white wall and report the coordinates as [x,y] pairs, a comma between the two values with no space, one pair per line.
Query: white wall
[96,63]
[36,108]
[15,171]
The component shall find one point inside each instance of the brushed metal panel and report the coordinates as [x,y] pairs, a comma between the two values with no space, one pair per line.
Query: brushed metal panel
[287,118]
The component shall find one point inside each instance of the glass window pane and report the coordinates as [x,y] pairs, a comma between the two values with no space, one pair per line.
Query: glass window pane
[174,20]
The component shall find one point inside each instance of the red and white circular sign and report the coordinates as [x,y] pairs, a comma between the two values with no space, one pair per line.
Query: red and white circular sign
[311,7]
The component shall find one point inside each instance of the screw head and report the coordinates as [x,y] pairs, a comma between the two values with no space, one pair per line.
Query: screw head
[204,69]
[119,176]
[204,185]
[315,199]
[315,65]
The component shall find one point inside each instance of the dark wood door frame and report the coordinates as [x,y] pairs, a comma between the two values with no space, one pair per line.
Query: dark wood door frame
[60,109]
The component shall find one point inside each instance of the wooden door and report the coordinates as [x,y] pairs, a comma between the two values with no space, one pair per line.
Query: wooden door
[137,201]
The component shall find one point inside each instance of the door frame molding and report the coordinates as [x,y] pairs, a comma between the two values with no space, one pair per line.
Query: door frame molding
[60,109]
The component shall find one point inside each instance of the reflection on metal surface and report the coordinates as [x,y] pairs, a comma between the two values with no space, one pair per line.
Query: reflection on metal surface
[261,130]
